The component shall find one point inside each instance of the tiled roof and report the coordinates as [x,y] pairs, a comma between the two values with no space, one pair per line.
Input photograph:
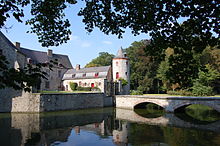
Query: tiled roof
[4,39]
[90,73]
[42,57]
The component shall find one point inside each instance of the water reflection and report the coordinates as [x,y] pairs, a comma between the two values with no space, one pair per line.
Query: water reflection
[104,127]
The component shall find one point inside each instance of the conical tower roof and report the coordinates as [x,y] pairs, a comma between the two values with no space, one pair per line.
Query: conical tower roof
[120,54]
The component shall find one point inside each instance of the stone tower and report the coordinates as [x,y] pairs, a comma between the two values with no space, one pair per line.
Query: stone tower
[121,69]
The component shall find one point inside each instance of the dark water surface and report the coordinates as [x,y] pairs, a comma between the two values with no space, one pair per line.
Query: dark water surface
[107,127]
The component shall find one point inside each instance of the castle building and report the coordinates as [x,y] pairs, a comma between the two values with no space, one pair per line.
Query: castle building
[54,76]
[98,76]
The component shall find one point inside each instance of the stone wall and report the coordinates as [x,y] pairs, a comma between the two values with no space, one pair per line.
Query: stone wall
[71,101]
[33,102]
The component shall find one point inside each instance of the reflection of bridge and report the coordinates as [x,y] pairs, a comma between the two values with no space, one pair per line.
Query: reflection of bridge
[169,103]
[168,119]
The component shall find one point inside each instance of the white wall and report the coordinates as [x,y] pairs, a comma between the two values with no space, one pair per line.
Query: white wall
[96,82]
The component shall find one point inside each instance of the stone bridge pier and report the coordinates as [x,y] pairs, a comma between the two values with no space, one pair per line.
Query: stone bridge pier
[169,103]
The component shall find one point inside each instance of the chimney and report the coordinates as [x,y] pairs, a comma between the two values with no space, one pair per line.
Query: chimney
[77,67]
[17,45]
[50,53]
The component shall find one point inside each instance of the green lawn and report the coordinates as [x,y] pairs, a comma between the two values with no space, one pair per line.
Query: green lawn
[177,95]
[66,91]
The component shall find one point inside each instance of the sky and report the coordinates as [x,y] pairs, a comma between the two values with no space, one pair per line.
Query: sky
[81,48]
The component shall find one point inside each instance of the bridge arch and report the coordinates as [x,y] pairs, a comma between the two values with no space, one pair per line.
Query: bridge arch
[142,103]
[181,107]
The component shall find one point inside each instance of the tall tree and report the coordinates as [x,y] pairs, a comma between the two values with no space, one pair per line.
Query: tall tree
[104,59]
[143,67]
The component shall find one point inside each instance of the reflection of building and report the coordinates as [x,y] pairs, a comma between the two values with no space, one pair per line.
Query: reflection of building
[120,134]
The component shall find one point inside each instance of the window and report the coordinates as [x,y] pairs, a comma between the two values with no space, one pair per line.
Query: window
[100,83]
[85,84]
[48,72]
[66,87]
[47,84]
[126,63]
[117,75]
[84,75]
[92,85]
[80,83]
[116,63]
[73,75]
[59,73]
[125,55]
[1,52]
[96,74]
[126,73]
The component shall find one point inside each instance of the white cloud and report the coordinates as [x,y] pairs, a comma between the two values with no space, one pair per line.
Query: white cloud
[74,37]
[85,44]
[107,42]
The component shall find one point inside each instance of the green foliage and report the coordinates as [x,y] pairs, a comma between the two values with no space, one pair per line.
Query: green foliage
[143,67]
[73,86]
[47,18]
[203,84]
[104,59]
[136,92]
[199,89]
[22,78]
[79,88]
[181,92]
[123,81]
[95,89]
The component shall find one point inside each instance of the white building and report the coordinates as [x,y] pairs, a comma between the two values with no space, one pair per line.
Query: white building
[96,76]
[88,77]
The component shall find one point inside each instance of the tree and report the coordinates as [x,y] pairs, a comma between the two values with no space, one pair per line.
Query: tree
[143,67]
[47,19]
[203,85]
[104,59]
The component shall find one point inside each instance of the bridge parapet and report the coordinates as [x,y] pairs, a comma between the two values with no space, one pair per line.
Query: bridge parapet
[169,103]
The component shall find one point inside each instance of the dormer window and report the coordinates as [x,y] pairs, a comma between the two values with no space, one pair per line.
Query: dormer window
[96,74]
[29,60]
[84,75]
[60,65]
[73,75]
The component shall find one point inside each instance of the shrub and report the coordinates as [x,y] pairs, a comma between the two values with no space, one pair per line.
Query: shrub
[200,90]
[180,92]
[73,86]
[96,89]
[79,88]
[136,92]
[123,81]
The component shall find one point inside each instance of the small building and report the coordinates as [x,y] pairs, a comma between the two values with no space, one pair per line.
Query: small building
[88,77]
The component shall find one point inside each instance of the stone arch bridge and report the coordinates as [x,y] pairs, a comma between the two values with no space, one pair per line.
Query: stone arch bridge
[169,103]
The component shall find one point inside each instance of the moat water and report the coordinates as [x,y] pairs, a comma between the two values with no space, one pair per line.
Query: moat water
[109,127]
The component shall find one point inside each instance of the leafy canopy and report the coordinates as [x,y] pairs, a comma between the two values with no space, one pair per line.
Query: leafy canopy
[104,59]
